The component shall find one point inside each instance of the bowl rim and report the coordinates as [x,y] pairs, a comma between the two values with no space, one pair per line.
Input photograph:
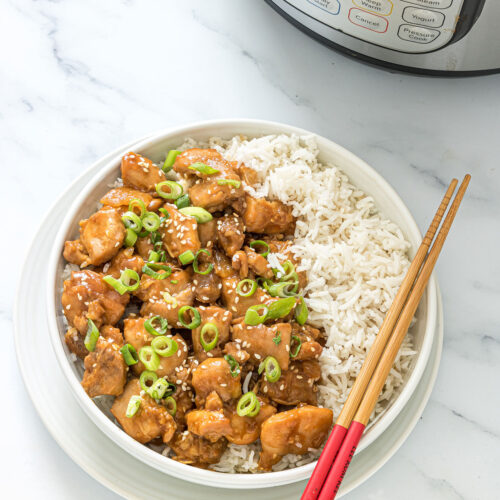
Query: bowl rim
[147,455]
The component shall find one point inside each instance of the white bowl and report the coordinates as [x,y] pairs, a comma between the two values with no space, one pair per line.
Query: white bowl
[154,148]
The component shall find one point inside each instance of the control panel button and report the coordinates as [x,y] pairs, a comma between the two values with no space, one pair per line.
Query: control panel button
[381,7]
[331,6]
[423,17]
[432,4]
[417,34]
[369,21]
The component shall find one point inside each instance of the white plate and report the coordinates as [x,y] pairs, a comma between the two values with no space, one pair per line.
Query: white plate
[98,455]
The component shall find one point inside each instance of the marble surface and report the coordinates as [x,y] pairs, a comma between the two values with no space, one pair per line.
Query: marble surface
[77,79]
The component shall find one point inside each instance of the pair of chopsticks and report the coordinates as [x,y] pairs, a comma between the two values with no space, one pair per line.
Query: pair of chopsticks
[350,425]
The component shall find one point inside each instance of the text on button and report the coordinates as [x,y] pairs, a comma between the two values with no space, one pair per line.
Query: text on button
[331,6]
[381,7]
[436,4]
[369,21]
[423,17]
[417,34]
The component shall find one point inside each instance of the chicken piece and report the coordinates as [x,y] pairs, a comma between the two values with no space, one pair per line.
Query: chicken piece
[222,265]
[101,236]
[195,450]
[221,318]
[168,307]
[85,296]
[211,425]
[309,347]
[295,385]
[206,192]
[238,305]
[184,402]
[122,196]
[268,217]
[105,370]
[180,232]
[151,420]
[136,335]
[230,233]
[76,340]
[293,431]
[213,402]
[140,173]
[207,233]
[240,263]
[207,287]
[261,341]
[246,430]
[125,259]
[234,349]
[214,374]
[283,247]
[144,247]
[258,264]
[248,175]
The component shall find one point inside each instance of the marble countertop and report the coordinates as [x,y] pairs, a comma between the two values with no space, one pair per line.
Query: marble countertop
[79,79]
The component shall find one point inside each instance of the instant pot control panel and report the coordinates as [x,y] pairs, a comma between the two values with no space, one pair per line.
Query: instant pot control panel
[412,26]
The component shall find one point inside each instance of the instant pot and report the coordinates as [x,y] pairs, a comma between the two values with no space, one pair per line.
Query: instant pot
[440,37]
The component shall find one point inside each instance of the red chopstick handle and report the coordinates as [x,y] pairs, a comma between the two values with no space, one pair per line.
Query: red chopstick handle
[325,461]
[341,463]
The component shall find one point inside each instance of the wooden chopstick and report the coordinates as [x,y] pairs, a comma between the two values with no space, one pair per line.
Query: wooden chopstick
[369,400]
[360,384]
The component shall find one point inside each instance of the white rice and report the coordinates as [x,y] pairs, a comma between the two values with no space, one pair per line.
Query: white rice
[354,258]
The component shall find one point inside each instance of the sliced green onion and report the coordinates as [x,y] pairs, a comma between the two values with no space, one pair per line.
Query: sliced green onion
[157,266]
[163,255]
[174,190]
[294,353]
[116,284]
[196,317]
[164,212]
[248,405]
[171,405]
[233,364]
[129,276]
[289,269]
[200,214]
[159,388]
[129,354]
[277,337]
[195,262]
[151,221]
[301,311]
[164,346]
[153,256]
[207,329]
[92,336]
[169,299]
[230,182]
[149,358]
[147,269]
[283,289]
[186,257]
[133,406]
[252,316]
[249,285]
[137,203]
[261,243]
[281,308]
[130,237]
[150,327]
[203,169]
[170,160]
[183,201]
[174,282]
[132,221]
[143,234]
[272,368]
[147,379]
